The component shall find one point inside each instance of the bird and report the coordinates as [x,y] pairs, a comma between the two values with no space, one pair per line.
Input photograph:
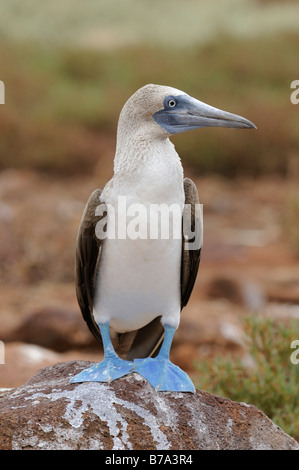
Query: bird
[131,287]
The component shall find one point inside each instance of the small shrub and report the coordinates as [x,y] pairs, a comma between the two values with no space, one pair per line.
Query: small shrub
[271,384]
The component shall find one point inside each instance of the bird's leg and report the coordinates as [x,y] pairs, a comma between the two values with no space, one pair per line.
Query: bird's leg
[112,366]
[160,372]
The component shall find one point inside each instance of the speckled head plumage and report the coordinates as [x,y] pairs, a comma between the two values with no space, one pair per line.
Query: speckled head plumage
[149,99]
[174,111]
[137,113]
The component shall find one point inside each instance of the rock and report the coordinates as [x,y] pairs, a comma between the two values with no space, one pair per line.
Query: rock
[54,328]
[5,391]
[6,213]
[288,293]
[23,360]
[49,413]
[208,328]
[240,292]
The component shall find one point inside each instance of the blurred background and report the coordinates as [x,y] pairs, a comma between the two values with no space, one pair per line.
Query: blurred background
[68,68]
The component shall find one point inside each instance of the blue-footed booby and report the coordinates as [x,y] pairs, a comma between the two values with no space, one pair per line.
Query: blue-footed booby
[131,290]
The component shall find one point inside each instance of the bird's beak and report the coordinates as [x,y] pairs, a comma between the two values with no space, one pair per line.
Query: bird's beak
[200,114]
[190,114]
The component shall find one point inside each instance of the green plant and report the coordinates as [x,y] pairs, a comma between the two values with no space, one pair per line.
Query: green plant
[271,383]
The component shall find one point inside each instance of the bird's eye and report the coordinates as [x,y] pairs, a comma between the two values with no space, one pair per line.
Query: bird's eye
[172,103]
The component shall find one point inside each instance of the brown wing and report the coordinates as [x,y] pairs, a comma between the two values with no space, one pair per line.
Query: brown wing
[148,339]
[88,251]
[88,254]
[191,247]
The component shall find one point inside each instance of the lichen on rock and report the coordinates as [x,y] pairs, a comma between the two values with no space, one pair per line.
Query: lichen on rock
[49,413]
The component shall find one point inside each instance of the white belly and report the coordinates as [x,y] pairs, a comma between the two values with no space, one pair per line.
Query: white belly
[137,281]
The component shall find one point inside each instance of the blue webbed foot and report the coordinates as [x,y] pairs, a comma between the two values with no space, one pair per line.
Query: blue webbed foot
[109,369]
[112,366]
[160,372]
[163,375]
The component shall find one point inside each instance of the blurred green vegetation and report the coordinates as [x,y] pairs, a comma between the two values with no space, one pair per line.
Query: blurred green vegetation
[62,104]
[271,383]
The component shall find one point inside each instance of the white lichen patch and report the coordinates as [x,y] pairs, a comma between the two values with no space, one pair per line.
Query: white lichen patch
[248,405]
[99,399]
[229,425]
[197,422]
[163,408]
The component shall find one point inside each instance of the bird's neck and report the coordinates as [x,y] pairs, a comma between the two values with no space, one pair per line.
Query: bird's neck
[146,161]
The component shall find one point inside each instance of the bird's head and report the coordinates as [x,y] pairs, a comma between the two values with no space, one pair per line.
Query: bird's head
[170,111]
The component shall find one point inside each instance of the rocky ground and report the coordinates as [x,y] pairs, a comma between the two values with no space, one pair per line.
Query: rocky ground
[247,266]
[127,415]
